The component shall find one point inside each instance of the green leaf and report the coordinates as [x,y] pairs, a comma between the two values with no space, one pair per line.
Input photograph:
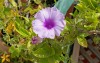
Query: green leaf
[96,39]
[92,21]
[21,30]
[37,1]
[80,7]
[75,13]
[44,52]
[13,3]
[28,45]
[89,3]
[69,26]
[26,19]
[57,48]
[55,1]
[1,25]
[15,52]
[82,41]
[1,1]
[51,59]
[44,60]
[1,6]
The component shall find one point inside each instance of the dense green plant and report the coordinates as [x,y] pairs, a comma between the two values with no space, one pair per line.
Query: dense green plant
[16,30]
[86,21]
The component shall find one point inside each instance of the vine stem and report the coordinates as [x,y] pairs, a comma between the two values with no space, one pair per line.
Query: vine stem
[94,32]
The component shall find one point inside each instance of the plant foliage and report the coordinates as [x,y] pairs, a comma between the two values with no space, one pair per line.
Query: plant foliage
[16,30]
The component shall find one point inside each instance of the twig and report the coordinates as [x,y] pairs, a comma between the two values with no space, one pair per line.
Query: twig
[29,1]
[94,32]
[3,47]
[19,3]
[6,3]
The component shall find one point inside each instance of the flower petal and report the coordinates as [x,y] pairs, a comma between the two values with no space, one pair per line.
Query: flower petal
[42,24]
[43,14]
[38,30]
[8,59]
[3,60]
[38,27]
[39,16]
[64,22]
[56,14]
[51,34]
[60,23]
[7,56]
[37,23]
[58,30]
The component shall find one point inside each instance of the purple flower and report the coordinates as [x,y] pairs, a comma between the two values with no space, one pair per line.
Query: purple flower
[48,23]
[36,40]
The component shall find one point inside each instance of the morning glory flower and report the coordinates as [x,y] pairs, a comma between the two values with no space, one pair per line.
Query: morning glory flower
[48,23]
[36,40]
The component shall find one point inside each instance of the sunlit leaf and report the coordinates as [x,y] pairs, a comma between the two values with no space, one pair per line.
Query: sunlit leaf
[13,3]
[1,6]
[27,19]
[82,41]
[96,40]
[57,48]
[14,13]
[37,1]
[10,27]
[51,59]
[15,52]
[1,1]
[32,11]
[44,52]
[1,25]
[21,30]
[28,45]
[75,13]
[55,1]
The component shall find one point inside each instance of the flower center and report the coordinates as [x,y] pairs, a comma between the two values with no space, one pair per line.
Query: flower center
[49,23]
